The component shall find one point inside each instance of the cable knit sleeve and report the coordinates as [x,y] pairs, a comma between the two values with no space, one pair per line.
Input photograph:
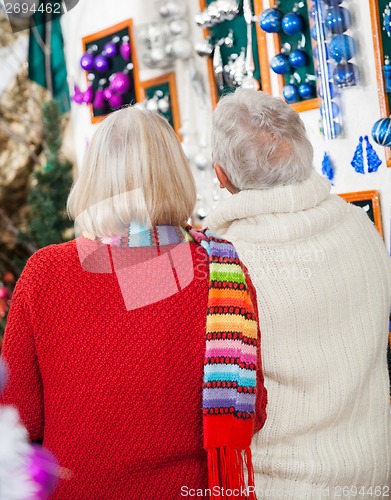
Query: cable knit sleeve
[24,388]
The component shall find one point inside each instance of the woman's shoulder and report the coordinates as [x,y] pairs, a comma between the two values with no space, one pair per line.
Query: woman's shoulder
[52,257]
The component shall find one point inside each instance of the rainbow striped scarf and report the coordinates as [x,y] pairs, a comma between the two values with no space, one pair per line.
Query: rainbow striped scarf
[230,363]
[229,386]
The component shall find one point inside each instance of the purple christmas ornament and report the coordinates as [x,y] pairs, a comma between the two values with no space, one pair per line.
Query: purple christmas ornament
[110,49]
[43,470]
[120,83]
[101,63]
[116,101]
[87,61]
[78,96]
[88,95]
[99,102]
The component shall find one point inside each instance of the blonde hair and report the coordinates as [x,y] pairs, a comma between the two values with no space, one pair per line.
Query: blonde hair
[135,170]
[260,141]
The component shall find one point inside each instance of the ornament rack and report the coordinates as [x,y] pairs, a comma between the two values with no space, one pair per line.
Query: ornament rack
[382,46]
[368,201]
[239,32]
[117,65]
[165,88]
[281,38]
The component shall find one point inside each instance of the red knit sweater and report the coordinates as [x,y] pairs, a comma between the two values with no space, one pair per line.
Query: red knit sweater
[114,394]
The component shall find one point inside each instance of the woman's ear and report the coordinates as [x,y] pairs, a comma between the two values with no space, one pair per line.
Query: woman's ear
[223,178]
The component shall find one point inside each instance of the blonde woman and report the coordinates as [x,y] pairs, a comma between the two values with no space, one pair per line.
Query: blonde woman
[138,372]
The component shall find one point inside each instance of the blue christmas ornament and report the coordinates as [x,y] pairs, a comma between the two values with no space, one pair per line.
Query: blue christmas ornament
[336,129]
[332,111]
[381,132]
[329,67]
[331,2]
[327,168]
[270,20]
[332,91]
[314,32]
[306,90]
[280,64]
[358,158]
[315,52]
[298,58]
[292,23]
[387,74]
[373,160]
[290,93]
[342,47]
[345,75]
[338,20]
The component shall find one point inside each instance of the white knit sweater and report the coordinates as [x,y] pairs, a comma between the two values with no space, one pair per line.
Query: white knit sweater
[323,279]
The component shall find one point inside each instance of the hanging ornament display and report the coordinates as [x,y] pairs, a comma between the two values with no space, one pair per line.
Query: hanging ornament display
[166,40]
[294,61]
[111,71]
[333,53]
[387,19]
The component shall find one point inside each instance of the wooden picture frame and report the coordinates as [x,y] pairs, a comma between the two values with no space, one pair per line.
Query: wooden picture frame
[306,104]
[262,61]
[124,26]
[377,38]
[361,198]
[167,80]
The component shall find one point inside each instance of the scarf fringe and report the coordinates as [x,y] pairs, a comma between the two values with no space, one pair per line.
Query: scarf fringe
[226,472]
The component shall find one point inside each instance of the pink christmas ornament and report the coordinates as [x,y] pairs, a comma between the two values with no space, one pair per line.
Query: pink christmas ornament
[124,48]
[78,96]
[116,101]
[120,83]
[4,293]
[107,93]
[43,470]
[88,95]
[99,102]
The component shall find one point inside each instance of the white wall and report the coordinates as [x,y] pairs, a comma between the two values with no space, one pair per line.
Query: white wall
[360,105]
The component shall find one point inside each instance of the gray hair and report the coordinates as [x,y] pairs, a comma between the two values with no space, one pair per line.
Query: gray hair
[259,141]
